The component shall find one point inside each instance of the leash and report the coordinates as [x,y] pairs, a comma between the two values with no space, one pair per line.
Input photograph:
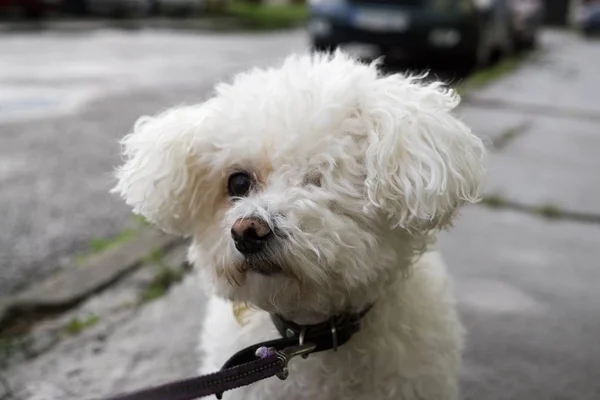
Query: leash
[259,361]
[270,363]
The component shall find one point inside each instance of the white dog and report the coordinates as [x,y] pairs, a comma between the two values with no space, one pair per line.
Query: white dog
[311,190]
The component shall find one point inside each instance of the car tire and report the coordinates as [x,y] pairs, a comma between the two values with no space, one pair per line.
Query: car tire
[526,43]
[530,43]
[478,56]
[467,63]
[465,66]
[587,32]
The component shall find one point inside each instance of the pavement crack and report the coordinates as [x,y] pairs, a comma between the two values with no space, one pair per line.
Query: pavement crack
[547,211]
[511,134]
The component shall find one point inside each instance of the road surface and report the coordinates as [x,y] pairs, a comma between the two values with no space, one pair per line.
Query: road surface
[65,101]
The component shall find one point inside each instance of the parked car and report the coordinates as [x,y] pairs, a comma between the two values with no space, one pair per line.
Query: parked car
[527,17]
[118,8]
[468,33]
[30,8]
[588,17]
[178,8]
[75,7]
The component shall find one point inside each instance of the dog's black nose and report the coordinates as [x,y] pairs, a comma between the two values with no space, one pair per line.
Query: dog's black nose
[250,235]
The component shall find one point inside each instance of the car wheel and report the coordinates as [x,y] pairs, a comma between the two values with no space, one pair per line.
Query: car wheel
[525,43]
[469,62]
[465,65]
[587,32]
[507,48]
[530,43]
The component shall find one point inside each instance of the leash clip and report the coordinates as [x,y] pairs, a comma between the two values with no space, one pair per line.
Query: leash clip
[301,340]
[288,353]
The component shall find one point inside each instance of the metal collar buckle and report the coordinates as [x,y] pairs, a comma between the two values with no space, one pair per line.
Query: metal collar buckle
[302,350]
[288,353]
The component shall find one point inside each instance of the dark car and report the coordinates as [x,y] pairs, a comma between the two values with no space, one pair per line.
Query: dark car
[527,17]
[588,17]
[465,33]
[30,8]
[118,8]
[178,8]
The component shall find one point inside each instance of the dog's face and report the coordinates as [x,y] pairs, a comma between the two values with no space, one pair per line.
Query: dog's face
[305,188]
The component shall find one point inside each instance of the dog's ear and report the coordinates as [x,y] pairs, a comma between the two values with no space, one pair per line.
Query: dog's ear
[422,162]
[165,176]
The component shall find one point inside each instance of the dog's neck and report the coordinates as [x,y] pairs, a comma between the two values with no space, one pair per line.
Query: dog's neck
[289,328]
[312,317]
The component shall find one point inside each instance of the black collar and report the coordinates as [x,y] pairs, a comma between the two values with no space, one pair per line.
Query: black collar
[327,335]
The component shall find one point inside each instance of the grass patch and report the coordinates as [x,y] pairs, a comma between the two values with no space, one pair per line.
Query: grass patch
[510,134]
[487,75]
[255,16]
[161,284]
[494,201]
[155,256]
[17,346]
[549,211]
[9,346]
[99,245]
[141,221]
[77,325]
[503,68]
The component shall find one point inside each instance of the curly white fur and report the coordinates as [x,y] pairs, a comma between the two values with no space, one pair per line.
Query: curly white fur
[356,172]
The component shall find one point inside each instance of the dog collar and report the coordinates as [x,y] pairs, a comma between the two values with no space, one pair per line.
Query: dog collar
[327,335]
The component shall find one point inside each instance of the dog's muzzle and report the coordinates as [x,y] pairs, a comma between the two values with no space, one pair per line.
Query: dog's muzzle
[250,235]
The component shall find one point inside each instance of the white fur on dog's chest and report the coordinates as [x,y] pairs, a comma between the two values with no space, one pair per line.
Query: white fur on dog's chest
[408,348]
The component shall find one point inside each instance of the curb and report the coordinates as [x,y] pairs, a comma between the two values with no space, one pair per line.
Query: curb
[72,285]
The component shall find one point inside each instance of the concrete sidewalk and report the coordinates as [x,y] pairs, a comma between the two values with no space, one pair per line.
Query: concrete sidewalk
[66,99]
[526,284]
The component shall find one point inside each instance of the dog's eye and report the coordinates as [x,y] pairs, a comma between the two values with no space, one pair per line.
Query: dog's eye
[239,184]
